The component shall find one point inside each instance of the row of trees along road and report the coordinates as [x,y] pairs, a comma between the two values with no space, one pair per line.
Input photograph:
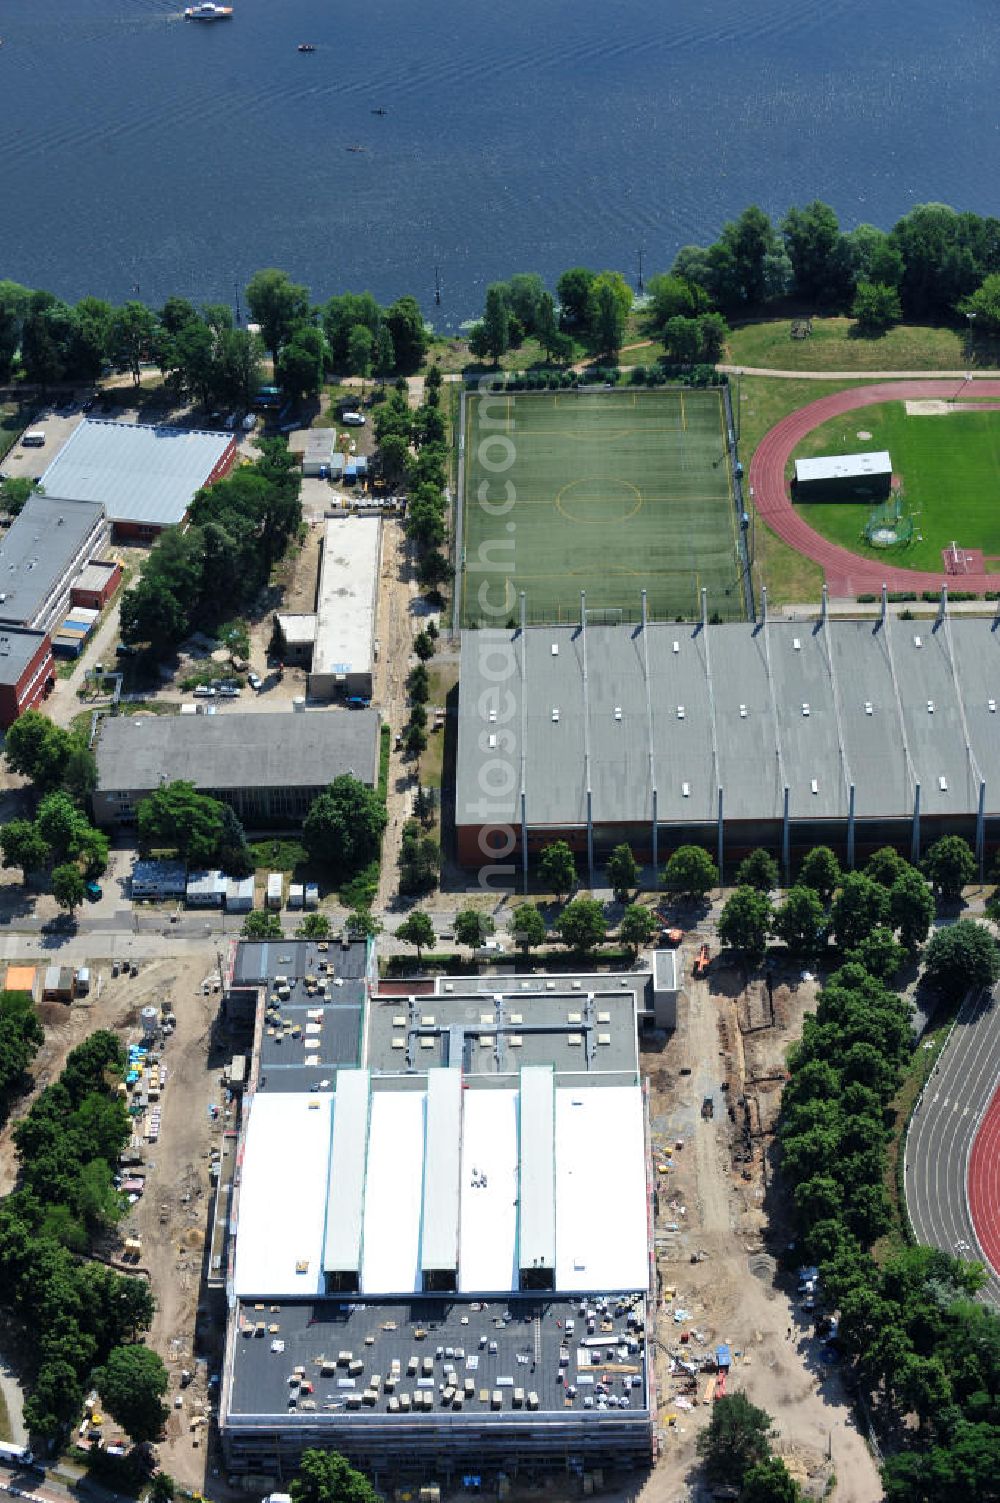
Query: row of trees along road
[200,351]
[924,1353]
[413,450]
[877,917]
[197,578]
[80,1321]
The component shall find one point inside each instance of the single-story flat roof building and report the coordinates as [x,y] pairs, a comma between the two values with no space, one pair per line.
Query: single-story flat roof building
[269,768]
[144,477]
[96,583]
[337,640]
[844,477]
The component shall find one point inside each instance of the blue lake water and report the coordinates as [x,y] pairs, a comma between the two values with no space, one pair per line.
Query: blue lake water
[141,149]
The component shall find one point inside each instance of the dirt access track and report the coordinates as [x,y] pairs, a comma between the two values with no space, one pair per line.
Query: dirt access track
[846,573]
[714,1093]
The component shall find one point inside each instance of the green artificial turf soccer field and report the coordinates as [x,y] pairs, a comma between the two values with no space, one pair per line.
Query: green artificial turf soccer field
[609,492]
[950,471]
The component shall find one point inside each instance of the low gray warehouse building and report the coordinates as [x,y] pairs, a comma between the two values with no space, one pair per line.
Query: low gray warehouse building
[269,768]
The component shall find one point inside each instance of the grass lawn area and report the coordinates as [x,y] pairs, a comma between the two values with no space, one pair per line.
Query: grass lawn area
[950,471]
[11,423]
[278,855]
[833,347]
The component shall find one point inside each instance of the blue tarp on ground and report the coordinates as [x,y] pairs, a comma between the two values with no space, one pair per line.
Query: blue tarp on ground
[723,1358]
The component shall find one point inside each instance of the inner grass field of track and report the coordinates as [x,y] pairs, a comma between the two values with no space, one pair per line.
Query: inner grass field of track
[610,492]
[948,466]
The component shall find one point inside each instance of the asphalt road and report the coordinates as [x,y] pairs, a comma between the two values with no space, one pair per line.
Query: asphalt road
[942,1131]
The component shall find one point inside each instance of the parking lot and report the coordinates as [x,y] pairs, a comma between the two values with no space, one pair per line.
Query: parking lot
[32,463]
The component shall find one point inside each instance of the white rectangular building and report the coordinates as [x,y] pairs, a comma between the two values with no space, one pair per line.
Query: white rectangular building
[344,650]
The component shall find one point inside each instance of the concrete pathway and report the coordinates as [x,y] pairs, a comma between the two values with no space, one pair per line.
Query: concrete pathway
[931,375]
[14,1401]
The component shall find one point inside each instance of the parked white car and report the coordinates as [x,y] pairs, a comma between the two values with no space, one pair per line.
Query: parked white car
[353,419]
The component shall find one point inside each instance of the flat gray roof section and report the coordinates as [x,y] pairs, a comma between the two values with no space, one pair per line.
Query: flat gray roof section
[495,1347]
[536,1204]
[95,575]
[18,646]
[238,750]
[745,728]
[141,474]
[494,1026]
[683,728]
[348,594]
[742,689]
[442,1172]
[935,736]
[844,466]
[345,1202]
[977,662]
[620,751]
[873,735]
[808,719]
[553,704]
[38,550]
[258,961]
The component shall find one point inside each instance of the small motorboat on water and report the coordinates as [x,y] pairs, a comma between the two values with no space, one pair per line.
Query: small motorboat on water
[306,47]
[380,111]
[207,10]
[356,148]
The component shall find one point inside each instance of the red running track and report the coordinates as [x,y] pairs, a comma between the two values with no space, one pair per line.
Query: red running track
[846,573]
[983,1186]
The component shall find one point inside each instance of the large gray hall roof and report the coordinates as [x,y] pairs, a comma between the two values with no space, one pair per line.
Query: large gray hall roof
[236,750]
[141,474]
[812,706]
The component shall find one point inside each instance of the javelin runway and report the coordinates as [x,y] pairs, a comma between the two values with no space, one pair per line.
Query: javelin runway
[941,1136]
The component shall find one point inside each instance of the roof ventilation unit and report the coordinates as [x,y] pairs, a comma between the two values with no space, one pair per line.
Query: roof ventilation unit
[555,649]
[814,786]
[796,644]
[685,790]
[943,783]
[918,642]
[677,647]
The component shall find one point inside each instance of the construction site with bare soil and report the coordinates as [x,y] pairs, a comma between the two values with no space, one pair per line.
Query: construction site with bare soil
[715,1092]
[164,1011]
